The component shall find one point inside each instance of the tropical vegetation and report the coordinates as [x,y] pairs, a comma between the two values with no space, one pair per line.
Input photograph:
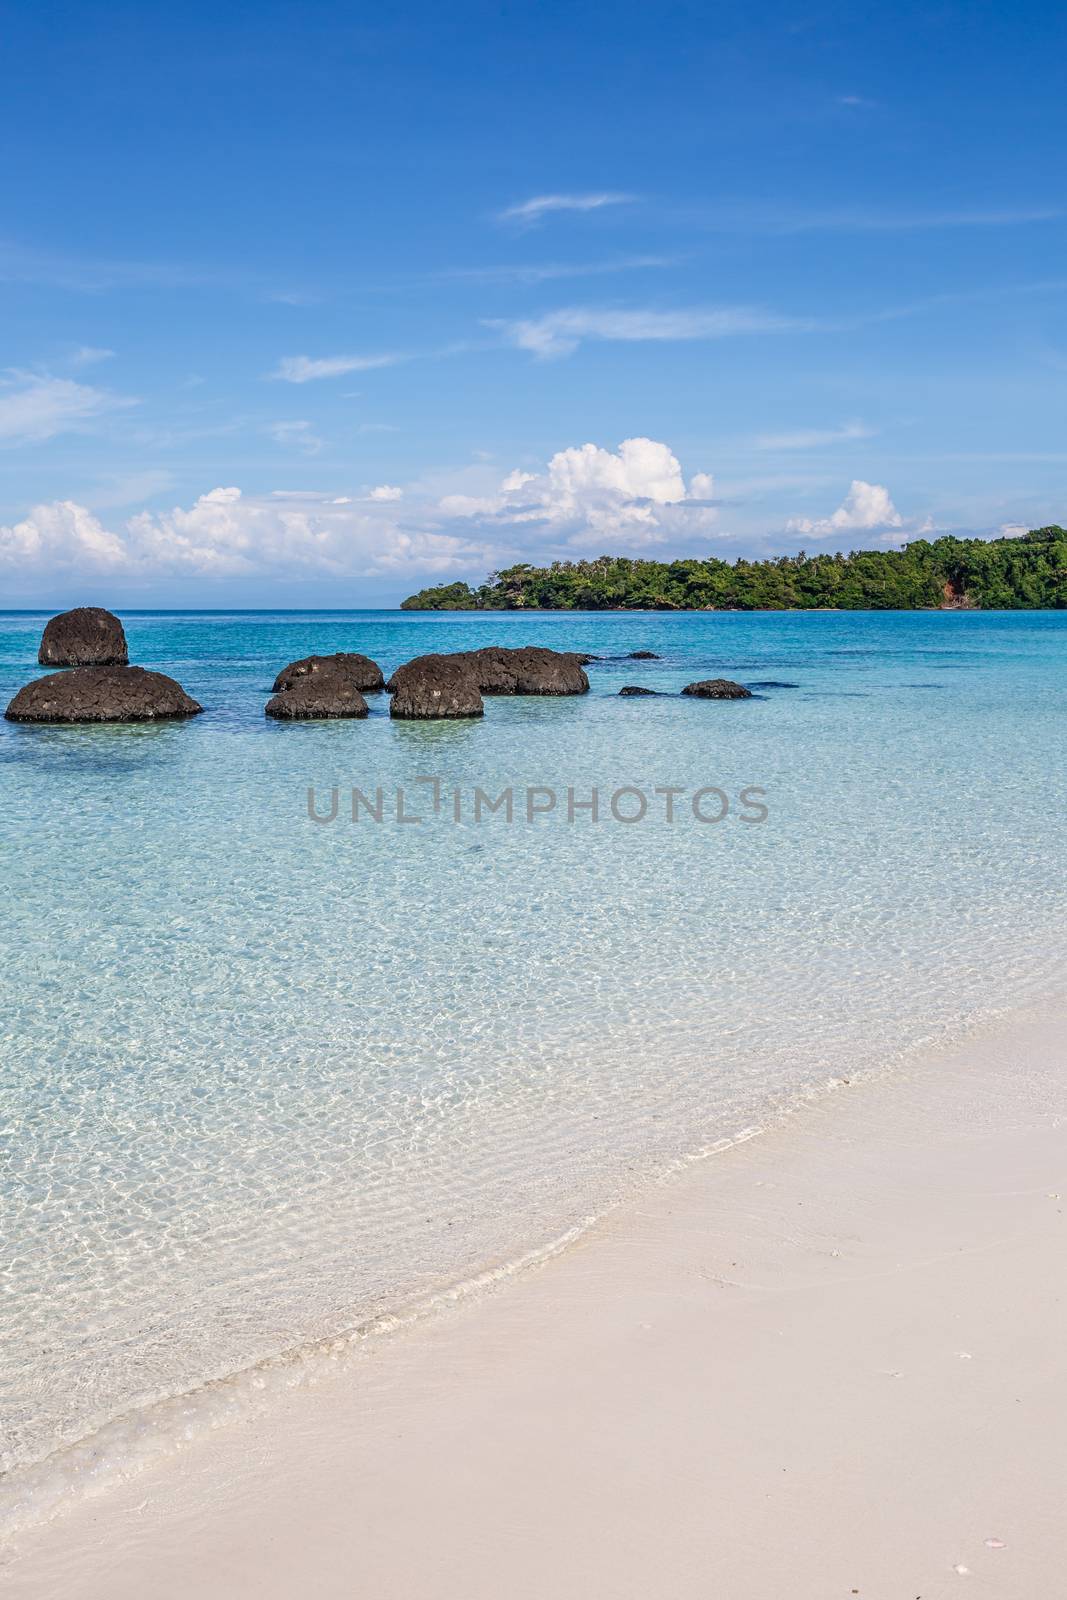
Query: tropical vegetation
[1027,572]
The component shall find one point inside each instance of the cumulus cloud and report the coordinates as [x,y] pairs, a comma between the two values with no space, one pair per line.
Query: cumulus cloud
[60,535]
[35,406]
[586,495]
[541,205]
[303,369]
[865,508]
[558,333]
[229,535]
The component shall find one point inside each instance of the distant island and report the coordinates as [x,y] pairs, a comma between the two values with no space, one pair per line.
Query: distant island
[1024,573]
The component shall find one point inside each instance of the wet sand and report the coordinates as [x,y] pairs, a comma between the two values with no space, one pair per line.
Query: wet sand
[829,1362]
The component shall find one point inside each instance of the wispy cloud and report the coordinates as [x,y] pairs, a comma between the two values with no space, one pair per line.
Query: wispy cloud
[88,355]
[303,369]
[96,275]
[128,490]
[558,333]
[813,438]
[542,205]
[729,217]
[296,435]
[35,406]
[549,271]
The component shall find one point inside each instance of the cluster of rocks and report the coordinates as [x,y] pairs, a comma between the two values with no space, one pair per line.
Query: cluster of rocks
[325,686]
[430,688]
[453,685]
[99,686]
[706,689]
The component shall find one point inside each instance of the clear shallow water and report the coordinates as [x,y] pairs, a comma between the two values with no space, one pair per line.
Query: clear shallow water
[263,1079]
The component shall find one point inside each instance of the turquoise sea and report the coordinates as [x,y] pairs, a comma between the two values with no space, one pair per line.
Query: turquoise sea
[266,1079]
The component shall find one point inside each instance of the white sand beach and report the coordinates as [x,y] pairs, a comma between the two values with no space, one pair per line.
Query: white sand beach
[829,1362]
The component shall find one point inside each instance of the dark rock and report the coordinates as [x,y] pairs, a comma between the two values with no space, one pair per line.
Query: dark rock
[718,689]
[635,688]
[582,658]
[360,671]
[435,686]
[102,694]
[643,655]
[526,670]
[85,637]
[498,670]
[320,693]
[772,683]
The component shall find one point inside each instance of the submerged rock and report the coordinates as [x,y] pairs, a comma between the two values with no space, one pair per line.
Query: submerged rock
[643,655]
[360,671]
[317,694]
[85,637]
[435,686]
[718,689]
[583,658]
[636,688]
[102,694]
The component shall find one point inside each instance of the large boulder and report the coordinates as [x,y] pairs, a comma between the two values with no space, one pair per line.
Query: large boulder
[718,689]
[435,686]
[360,671]
[85,637]
[529,669]
[102,694]
[318,694]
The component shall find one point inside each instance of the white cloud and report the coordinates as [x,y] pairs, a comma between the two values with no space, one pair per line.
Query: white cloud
[296,436]
[558,333]
[60,535]
[35,406]
[469,521]
[541,205]
[866,507]
[302,369]
[87,355]
[813,438]
[777,219]
[550,271]
[634,496]
[226,534]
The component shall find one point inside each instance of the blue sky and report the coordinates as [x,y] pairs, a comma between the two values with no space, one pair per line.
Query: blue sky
[316,304]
